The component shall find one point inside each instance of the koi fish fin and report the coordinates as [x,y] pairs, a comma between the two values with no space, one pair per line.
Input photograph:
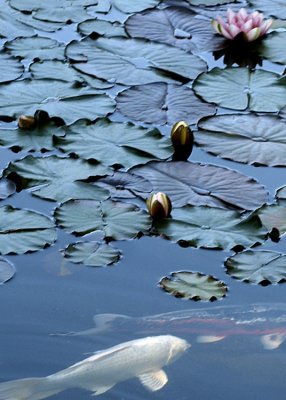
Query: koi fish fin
[272,341]
[104,322]
[209,338]
[27,389]
[101,389]
[154,380]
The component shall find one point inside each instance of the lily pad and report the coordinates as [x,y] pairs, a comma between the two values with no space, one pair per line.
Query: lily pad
[241,88]
[58,179]
[194,286]
[212,228]
[132,61]
[125,144]
[249,139]
[273,46]
[23,231]
[40,48]
[10,67]
[281,193]
[273,216]
[94,254]
[160,103]
[118,221]
[58,99]
[7,188]
[203,184]
[275,8]
[258,267]
[132,7]
[177,26]
[101,28]
[7,270]
[209,2]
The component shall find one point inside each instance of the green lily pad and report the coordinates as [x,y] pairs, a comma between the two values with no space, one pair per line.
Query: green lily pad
[273,216]
[23,231]
[210,227]
[102,28]
[125,144]
[249,139]
[7,188]
[241,88]
[132,7]
[58,99]
[275,8]
[7,270]
[94,254]
[273,46]
[160,103]
[59,179]
[36,47]
[203,184]
[194,286]
[10,67]
[281,193]
[209,2]
[132,61]
[258,267]
[118,221]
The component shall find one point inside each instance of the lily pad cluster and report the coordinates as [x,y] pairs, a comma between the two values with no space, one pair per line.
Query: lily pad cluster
[104,104]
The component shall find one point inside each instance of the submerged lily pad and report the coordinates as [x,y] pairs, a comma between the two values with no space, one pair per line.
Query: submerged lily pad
[102,28]
[203,184]
[258,267]
[160,103]
[194,286]
[10,67]
[23,231]
[7,270]
[59,179]
[94,254]
[273,216]
[249,139]
[211,228]
[118,221]
[7,188]
[132,61]
[125,144]
[58,99]
[241,88]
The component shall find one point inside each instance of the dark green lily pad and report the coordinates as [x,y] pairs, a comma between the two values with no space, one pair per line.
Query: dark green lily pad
[94,254]
[203,184]
[132,61]
[7,270]
[135,6]
[10,67]
[241,88]
[23,231]
[177,26]
[210,227]
[7,188]
[101,28]
[275,8]
[209,2]
[258,267]
[249,139]
[58,99]
[59,179]
[115,143]
[160,103]
[36,47]
[194,286]
[118,221]
[273,47]
[273,216]
[281,193]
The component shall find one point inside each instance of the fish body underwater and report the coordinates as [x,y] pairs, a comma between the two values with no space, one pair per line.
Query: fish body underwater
[267,321]
[141,358]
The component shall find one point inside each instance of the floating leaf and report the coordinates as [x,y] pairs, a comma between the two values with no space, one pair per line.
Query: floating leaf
[102,28]
[36,47]
[194,286]
[7,188]
[132,7]
[259,267]
[281,193]
[160,103]
[275,8]
[115,143]
[118,221]
[22,231]
[203,184]
[273,216]
[58,99]
[241,88]
[59,179]
[211,228]
[132,61]
[249,139]
[10,67]
[273,46]
[7,270]
[209,2]
[95,254]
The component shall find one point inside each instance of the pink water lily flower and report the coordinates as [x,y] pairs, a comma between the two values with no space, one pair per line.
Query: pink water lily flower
[252,26]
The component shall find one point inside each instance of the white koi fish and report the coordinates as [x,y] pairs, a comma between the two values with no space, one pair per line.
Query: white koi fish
[141,358]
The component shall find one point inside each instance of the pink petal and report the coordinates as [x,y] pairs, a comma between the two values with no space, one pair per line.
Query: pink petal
[225,32]
[234,30]
[265,26]
[231,16]
[242,14]
[247,26]
[257,18]
[252,35]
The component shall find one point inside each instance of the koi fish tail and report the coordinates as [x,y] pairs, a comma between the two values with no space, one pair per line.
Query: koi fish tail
[28,389]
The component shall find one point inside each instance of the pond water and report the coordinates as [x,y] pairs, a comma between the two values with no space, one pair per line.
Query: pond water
[50,295]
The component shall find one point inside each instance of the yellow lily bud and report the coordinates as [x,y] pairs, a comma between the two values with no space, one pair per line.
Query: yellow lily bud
[26,122]
[183,139]
[159,205]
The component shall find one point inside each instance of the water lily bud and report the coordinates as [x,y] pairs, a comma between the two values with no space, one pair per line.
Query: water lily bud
[159,205]
[26,122]
[183,139]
